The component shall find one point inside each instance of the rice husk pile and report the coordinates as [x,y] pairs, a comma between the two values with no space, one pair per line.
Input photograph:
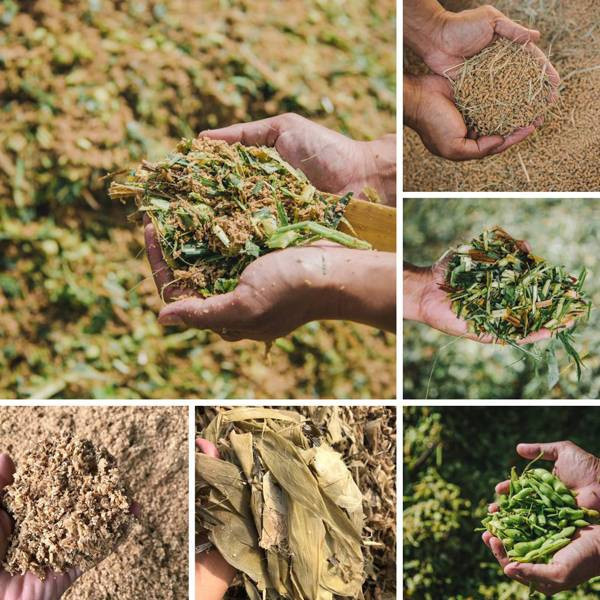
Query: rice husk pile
[501,89]
[364,438]
[560,156]
[69,505]
[150,445]
[217,207]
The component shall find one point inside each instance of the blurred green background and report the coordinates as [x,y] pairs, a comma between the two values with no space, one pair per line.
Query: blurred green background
[92,86]
[563,231]
[453,458]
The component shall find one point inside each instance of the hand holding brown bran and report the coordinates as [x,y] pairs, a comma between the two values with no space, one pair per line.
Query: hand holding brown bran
[69,506]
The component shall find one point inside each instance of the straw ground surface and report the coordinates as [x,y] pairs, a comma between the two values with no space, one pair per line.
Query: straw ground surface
[563,154]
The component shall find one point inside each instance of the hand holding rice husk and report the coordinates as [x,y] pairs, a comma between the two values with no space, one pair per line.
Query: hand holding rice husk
[502,88]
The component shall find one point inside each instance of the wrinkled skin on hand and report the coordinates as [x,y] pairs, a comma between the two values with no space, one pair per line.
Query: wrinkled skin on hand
[580,560]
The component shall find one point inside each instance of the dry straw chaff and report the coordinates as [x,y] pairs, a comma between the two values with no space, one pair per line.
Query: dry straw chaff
[502,88]
[281,506]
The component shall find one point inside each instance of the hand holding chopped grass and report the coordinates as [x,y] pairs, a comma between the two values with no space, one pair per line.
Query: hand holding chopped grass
[503,290]
[227,207]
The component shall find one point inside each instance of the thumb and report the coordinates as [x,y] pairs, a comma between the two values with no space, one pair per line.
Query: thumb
[7,470]
[216,313]
[550,450]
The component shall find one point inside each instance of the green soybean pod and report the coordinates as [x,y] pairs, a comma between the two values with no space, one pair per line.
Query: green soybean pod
[571,513]
[567,532]
[560,487]
[524,493]
[552,548]
[563,523]
[568,499]
[580,523]
[591,513]
[523,548]
[542,474]
[508,543]
[516,534]
[541,519]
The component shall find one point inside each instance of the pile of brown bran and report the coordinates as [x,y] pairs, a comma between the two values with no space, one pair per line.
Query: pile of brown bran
[69,505]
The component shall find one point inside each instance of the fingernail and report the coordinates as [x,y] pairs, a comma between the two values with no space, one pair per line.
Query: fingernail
[170,319]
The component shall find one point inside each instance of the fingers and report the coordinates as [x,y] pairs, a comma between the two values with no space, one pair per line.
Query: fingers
[467,149]
[218,313]
[503,487]
[536,336]
[515,137]
[504,27]
[257,133]
[161,272]
[495,545]
[207,447]
[550,450]
[7,470]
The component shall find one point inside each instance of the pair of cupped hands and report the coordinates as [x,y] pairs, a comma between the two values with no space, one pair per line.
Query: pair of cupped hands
[579,561]
[282,290]
[443,41]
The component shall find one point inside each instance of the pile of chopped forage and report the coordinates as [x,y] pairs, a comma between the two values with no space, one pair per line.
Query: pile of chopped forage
[69,505]
[217,207]
[501,88]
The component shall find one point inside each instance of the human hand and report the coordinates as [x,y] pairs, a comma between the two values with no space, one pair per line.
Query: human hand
[28,586]
[284,289]
[429,109]
[578,561]
[456,36]
[332,162]
[213,573]
[427,302]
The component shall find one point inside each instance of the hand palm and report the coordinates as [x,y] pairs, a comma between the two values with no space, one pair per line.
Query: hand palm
[331,161]
[580,471]
[459,40]
[29,587]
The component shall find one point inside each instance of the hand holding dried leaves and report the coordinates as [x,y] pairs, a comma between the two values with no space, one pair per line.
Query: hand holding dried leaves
[281,506]
[502,289]
[217,207]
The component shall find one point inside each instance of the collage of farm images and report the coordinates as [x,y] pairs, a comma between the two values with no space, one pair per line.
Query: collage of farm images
[204,212]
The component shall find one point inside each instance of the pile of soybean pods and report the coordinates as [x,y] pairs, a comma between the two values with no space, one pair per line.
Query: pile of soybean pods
[538,517]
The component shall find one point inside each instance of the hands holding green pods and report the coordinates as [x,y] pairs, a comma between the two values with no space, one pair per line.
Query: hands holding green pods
[542,516]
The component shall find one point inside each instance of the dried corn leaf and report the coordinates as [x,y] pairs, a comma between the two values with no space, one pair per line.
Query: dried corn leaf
[298,493]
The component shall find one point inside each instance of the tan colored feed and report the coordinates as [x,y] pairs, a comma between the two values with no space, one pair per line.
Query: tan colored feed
[501,88]
[69,505]
[560,156]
